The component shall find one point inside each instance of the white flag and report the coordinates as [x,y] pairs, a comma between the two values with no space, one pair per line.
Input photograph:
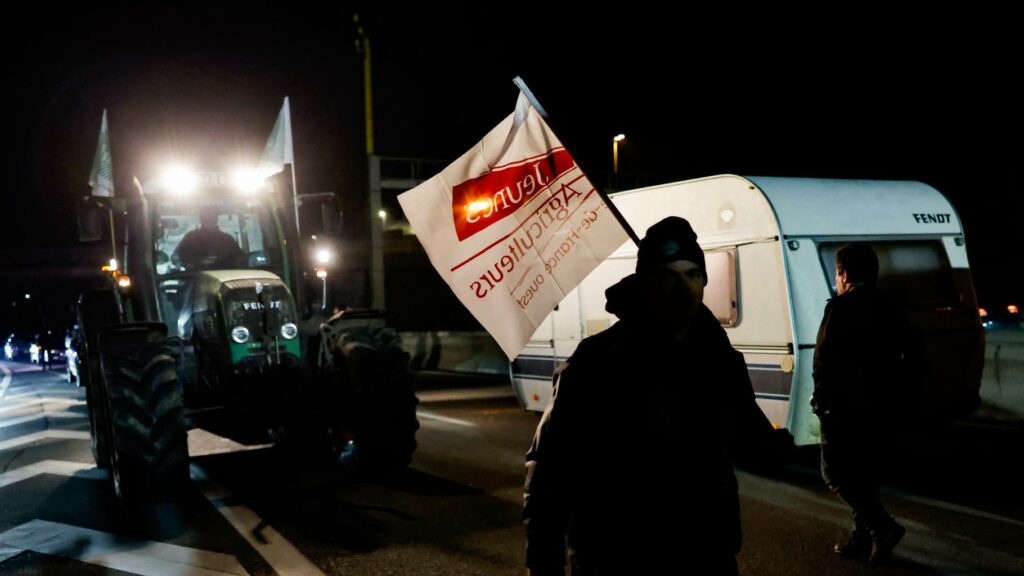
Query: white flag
[101,179]
[512,226]
[279,146]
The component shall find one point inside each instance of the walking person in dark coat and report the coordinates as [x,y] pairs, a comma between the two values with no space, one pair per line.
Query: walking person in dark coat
[853,360]
[642,429]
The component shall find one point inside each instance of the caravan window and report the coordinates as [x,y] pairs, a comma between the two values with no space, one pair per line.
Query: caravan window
[915,273]
[720,293]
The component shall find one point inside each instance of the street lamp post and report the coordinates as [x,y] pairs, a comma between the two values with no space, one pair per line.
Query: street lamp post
[615,152]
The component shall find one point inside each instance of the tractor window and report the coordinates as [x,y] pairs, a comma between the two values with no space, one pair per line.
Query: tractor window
[236,234]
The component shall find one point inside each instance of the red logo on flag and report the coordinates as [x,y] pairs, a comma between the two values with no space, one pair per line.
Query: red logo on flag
[486,199]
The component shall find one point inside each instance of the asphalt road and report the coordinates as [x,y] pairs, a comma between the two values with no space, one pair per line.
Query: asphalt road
[457,509]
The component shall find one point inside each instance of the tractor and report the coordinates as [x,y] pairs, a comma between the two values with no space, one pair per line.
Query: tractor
[178,339]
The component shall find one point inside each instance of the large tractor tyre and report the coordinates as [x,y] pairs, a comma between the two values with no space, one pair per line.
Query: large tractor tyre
[145,400]
[99,427]
[97,309]
[378,399]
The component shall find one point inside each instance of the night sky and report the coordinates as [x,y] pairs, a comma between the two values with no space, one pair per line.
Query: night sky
[926,97]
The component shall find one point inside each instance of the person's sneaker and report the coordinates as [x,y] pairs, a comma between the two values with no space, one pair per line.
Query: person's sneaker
[881,549]
[858,546]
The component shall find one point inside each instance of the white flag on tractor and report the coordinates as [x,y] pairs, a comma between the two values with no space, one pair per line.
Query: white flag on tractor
[513,225]
[279,146]
[101,179]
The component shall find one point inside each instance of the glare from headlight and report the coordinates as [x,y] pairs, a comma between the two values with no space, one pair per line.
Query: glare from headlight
[289,330]
[247,180]
[240,334]
[180,180]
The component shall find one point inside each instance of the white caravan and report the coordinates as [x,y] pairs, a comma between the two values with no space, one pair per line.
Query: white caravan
[770,247]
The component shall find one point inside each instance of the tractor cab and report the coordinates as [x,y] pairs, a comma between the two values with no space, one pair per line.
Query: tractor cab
[221,269]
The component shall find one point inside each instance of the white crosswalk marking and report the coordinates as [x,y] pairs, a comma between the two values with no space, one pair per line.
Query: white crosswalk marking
[5,381]
[44,435]
[58,467]
[113,551]
[43,402]
[36,393]
[39,416]
[282,556]
[8,553]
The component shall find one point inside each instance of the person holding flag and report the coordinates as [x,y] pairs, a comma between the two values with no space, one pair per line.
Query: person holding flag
[604,479]
[514,225]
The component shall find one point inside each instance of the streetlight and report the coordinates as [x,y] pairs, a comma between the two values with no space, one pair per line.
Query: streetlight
[383,215]
[615,152]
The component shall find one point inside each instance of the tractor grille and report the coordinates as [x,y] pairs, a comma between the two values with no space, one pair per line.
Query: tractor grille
[263,314]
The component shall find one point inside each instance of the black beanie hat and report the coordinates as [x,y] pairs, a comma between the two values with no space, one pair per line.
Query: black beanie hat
[669,240]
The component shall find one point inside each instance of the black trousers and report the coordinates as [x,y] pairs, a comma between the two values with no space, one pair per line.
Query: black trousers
[848,466]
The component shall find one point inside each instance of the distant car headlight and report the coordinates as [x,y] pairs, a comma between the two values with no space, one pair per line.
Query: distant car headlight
[240,334]
[289,330]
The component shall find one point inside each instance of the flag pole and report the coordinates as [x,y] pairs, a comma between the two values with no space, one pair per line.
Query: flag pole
[288,144]
[521,84]
[295,200]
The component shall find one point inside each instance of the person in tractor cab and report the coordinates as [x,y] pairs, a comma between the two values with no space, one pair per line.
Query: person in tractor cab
[207,247]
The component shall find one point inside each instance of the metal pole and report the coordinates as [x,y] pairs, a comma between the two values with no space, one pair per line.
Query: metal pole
[113,241]
[363,45]
[295,201]
[376,236]
[521,84]
[323,300]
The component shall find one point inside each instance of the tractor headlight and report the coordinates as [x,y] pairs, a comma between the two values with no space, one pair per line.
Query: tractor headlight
[289,330]
[240,334]
[180,180]
[247,180]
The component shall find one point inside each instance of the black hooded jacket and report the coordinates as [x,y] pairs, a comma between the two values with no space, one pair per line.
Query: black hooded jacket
[859,344]
[640,435]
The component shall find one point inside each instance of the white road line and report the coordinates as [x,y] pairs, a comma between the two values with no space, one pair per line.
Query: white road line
[931,502]
[14,407]
[117,552]
[457,394]
[282,556]
[445,419]
[951,507]
[48,394]
[6,381]
[203,443]
[8,553]
[57,467]
[40,416]
[43,435]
